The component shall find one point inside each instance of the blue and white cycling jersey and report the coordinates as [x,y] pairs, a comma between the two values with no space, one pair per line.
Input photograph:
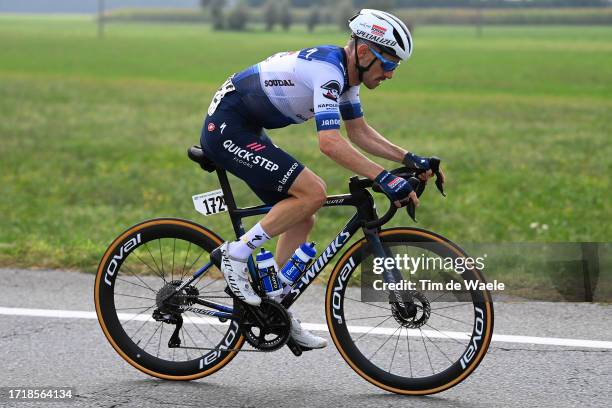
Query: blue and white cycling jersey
[292,87]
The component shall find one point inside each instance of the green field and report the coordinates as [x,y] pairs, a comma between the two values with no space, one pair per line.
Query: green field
[94,132]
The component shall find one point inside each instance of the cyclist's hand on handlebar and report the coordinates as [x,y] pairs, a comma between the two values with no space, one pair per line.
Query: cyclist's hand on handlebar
[396,188]
[427,167]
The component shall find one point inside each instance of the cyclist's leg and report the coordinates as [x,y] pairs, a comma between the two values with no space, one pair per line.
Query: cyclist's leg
[289,240]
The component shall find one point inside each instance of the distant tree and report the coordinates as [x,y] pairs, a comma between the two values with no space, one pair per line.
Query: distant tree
[270,11]
[314,18]
[285,15]
[204,4]
[344,11]
[238,17]
[216,14]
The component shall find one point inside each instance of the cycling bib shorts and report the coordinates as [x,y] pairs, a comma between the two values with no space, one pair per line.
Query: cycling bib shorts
[234,142]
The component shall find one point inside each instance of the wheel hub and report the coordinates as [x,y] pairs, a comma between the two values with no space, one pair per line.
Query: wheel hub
[172,305]
[414,312]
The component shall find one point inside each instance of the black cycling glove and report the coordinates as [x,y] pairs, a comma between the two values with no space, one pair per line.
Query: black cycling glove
[413,161]
[396,188]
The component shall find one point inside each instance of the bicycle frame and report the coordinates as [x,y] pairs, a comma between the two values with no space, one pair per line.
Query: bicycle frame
[359,197]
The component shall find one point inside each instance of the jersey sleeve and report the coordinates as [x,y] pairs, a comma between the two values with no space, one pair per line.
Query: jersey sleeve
[349,104]
[326,85]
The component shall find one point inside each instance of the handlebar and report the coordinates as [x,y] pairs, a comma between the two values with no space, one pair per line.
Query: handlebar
[410,175]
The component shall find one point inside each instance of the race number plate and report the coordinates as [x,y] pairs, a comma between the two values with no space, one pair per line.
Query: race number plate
[209,203]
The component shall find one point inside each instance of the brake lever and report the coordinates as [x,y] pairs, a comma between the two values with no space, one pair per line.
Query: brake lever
[411,210]
[434,163]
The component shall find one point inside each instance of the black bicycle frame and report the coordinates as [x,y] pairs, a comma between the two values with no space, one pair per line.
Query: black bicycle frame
[359,197]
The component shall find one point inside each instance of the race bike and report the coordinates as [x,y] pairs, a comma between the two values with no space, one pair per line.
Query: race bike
[166,309]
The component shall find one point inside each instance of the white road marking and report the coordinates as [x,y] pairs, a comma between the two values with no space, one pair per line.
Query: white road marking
[549,341]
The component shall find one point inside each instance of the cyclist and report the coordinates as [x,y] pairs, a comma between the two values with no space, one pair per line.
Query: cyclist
[292,87]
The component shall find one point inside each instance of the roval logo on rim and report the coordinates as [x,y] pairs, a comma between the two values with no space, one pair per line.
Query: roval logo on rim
[111,269]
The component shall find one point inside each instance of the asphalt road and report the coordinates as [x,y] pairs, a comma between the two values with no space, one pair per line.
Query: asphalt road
[73,352]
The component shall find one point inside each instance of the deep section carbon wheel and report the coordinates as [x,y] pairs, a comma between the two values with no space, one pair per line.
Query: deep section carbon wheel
[422,342]
[165,338]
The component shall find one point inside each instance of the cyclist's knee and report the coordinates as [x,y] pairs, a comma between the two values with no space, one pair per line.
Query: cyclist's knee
[318,194]
[309,188]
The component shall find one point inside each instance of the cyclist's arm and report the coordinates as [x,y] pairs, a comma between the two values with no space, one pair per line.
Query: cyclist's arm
[337,148]
[368,139]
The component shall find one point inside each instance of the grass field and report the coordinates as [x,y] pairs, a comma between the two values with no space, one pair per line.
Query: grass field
[94,132]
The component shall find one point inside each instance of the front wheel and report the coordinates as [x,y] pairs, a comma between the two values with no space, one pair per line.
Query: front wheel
[169,340]
[428,342]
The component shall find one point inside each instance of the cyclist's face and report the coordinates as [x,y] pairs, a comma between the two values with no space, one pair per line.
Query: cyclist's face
[376,75]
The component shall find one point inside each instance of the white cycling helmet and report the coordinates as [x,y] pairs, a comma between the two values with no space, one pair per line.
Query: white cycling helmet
[384,30]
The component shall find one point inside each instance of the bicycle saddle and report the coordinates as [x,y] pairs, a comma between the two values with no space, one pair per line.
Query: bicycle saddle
[196,154]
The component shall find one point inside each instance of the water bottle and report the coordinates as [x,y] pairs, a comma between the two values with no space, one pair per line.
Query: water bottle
[296,265]
[267,273]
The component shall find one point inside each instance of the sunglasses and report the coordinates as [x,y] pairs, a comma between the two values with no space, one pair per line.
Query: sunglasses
[387,65]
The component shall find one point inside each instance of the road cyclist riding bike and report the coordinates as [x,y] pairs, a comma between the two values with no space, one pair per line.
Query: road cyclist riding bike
[158,295]
[320,82]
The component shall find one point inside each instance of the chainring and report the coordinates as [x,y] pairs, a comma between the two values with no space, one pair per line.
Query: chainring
[267,327]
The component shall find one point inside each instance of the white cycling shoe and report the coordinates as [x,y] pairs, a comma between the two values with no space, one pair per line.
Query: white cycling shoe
[303,337]
[236,275]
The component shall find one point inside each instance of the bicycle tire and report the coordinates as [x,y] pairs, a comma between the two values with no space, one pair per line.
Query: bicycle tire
[470,358]
[110,269]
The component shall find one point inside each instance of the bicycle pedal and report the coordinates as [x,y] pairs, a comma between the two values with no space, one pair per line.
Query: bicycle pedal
[295,348]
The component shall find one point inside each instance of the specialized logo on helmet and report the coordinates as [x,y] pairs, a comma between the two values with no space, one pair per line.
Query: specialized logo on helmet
[332,90]
[378,30]
[376,38]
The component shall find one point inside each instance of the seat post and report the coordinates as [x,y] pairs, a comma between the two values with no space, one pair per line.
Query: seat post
[230,202]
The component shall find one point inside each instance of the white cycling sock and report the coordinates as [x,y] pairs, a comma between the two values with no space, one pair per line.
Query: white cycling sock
[249,242]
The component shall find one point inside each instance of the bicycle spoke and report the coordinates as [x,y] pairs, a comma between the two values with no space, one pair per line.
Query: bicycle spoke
[211,283]
[160,337]
[395,350]
[409,354]
[438,347]
[190,338]
[136,332]
[137,277]
[136,315]
[184,349]
[366,303]
[444,334]
[146,245]
[427,351]
[185,263]
[364,318]
[193,263]
[451,318]
[173,252]
[149,266]
[372,328]
[161,256]
[135,284]
[448,307]
[150,338]
[139,297]
[385,342]
[200,330]
[133,308]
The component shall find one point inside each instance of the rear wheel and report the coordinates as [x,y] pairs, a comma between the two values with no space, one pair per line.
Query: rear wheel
[426,345]
[139,269]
